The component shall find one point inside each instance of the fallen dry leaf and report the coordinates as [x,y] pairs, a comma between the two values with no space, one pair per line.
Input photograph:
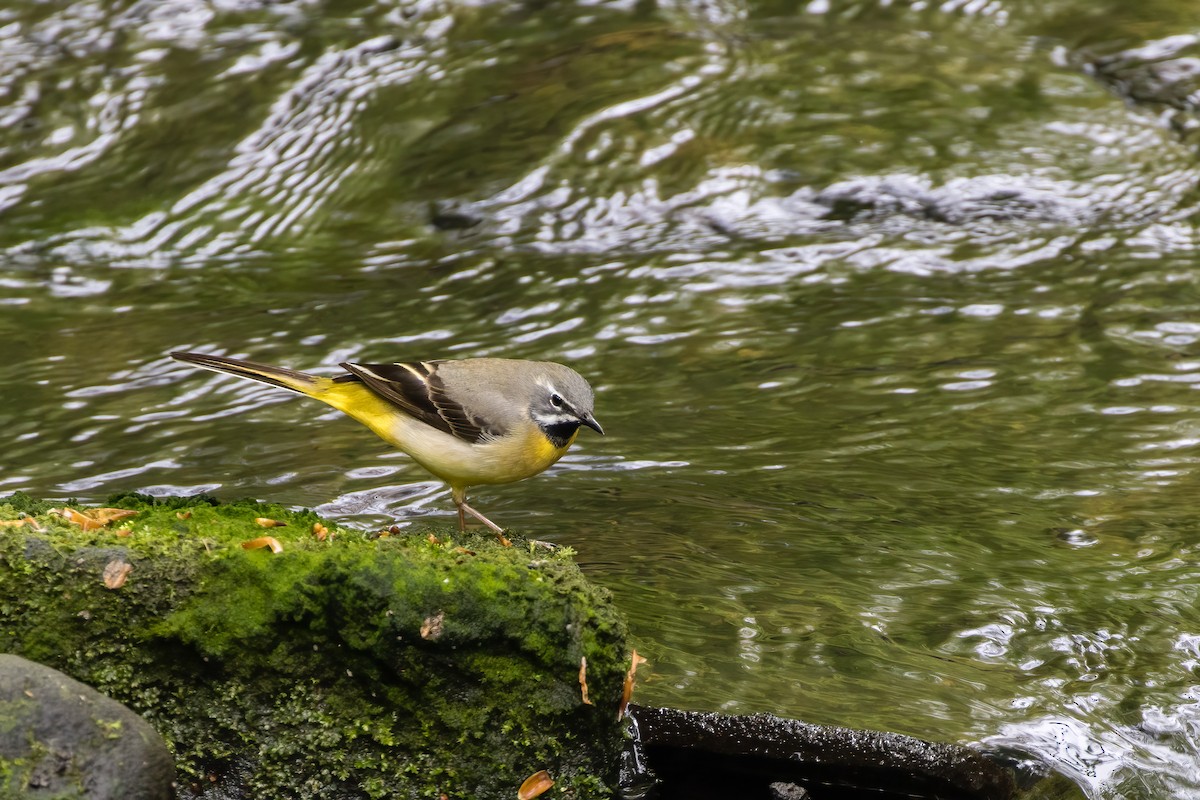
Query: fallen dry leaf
[583,680]
[79,518]
[432,627]
[263,541]
[433,539]
[27,520]
[115,573]
[627,690]
[107,515]
[535,785]
[270,523]
[12,523]
[94,519]
[183,515]
[320,531]
[123,532]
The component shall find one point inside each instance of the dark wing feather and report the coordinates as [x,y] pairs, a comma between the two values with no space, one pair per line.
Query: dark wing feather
[415,387]
[462,424]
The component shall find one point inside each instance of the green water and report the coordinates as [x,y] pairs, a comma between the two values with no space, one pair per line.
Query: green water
[892,309]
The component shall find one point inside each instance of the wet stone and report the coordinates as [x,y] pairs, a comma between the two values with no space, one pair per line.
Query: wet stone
[704,755]
[781,790]
[62,739]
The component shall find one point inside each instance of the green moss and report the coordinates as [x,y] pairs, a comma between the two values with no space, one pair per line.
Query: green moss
[350,667]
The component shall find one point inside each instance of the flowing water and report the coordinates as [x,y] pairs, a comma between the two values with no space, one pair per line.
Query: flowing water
[892,308]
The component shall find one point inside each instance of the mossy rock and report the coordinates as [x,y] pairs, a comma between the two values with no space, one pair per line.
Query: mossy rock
[353,666]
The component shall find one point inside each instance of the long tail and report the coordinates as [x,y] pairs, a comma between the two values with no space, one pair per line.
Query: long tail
[346,393]
[301,382]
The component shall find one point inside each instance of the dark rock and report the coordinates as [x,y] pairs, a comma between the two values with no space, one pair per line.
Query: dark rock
[454,215]
[958,202]
[1163,72]
[704,755]
[62,739]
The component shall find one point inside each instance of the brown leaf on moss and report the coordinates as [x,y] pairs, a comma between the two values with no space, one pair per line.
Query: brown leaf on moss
[93,519]
[12,523]
[627,689]
[267,522]
[535,785]
[183,515]
[432,627]
[116,572]
[123,532]
[261,542]
[583,680]
[107,515]
[79,518]
[320,531]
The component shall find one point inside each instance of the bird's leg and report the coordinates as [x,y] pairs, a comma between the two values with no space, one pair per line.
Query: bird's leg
[460,500]
[464,507]
[496,528]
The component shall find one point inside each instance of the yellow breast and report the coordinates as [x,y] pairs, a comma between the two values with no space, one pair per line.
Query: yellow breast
[522,453]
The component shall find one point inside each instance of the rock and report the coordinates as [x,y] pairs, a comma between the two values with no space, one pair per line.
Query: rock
[407,663]
[782,790]
[1162,72]
[703,755]
[62,739]
[453,215]
[959,201]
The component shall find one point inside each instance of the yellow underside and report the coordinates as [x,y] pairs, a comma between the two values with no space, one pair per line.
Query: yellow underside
[513,457]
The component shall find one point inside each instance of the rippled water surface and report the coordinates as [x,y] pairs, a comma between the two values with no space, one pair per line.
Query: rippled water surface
[893,311]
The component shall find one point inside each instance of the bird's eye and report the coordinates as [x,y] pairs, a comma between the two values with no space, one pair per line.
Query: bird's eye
[556,401]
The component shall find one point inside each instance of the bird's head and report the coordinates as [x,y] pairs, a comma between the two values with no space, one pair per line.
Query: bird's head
[562,402]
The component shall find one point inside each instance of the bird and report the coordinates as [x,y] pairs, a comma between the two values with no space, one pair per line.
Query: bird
[468,422]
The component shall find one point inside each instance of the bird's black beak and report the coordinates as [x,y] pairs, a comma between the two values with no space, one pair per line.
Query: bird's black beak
[586,419]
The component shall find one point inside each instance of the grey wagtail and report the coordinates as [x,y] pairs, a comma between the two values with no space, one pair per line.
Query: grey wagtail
[469,422]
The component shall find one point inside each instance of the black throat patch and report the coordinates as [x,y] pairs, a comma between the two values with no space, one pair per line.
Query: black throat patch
[560,433]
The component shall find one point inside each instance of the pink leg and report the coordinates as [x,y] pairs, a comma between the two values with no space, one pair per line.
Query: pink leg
[460,500]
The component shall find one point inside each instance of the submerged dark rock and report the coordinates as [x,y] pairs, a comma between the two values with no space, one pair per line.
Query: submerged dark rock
[1163,72]
[703,755]
[62,739]
[453,215]
[960,201]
